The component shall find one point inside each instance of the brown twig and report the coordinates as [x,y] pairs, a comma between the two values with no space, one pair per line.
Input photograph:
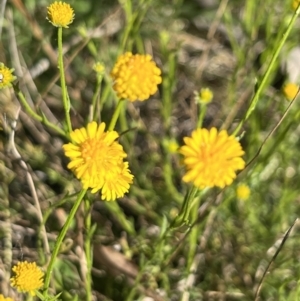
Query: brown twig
[285,237]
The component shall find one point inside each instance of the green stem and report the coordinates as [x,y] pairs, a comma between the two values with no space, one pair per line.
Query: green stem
[60,239]
[64,92]
[39,295]
[183,216]
[126,223]
[88,249]
[268,72]
[201,115]
[96,98]
[194,235]
[180,220]
[115,115]
[36,116]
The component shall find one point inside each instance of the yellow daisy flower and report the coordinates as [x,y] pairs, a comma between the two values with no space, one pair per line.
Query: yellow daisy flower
[60,14]
[135,76]
[6,76]
[205,96]
[243,192]
[97,160]
[2,298]
[211,158]
[290,91]
[28,277]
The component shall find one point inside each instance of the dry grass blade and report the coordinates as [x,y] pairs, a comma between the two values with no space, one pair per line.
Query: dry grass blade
[285,237]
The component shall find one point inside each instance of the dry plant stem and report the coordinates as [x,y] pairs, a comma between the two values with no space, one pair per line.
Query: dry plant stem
[266,76]
[6,230]
[60,239]
[236,108]
[273,130]
[30,182]
[2,10]
[36,116]
[211,32]
[64,92]
[285,237]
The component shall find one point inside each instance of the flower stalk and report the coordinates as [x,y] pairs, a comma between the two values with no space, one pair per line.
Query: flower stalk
[36,116]
[65,96]
[116,115]
[266,75]
[60,239]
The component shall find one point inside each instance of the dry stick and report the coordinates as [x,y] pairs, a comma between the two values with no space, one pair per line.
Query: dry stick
[236,107]
[17,156]
[285,237]
[26,78]
[211,32]
[273,130]
[2,9]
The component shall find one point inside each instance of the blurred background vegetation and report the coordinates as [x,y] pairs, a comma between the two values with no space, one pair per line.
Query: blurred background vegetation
[222,45]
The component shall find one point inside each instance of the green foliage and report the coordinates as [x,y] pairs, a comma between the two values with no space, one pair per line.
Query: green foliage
[163,239]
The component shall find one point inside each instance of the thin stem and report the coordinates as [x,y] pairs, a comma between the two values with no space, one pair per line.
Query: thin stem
[88,249]
[184,213]
[115,115]
[60,239]
[64,92]
[36,116]
[201,115]
[266,76]
[96,99]
[180,220]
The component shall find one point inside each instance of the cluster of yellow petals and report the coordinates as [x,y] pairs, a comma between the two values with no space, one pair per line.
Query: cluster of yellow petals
[290,90]
[60,14]
[135,77]
[243,192]
[205,96]
[6,76]
[211,158]
[28,277]
[2,298]
[97,160]
[99,68]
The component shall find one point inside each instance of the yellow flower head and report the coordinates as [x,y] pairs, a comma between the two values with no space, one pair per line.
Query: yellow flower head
[2,298]
[6,76]
[211,158]
[28,277]
[99,68]
[290,90]
[205,96]
[243,192]
[135,76]
[97,160]
[60,14]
